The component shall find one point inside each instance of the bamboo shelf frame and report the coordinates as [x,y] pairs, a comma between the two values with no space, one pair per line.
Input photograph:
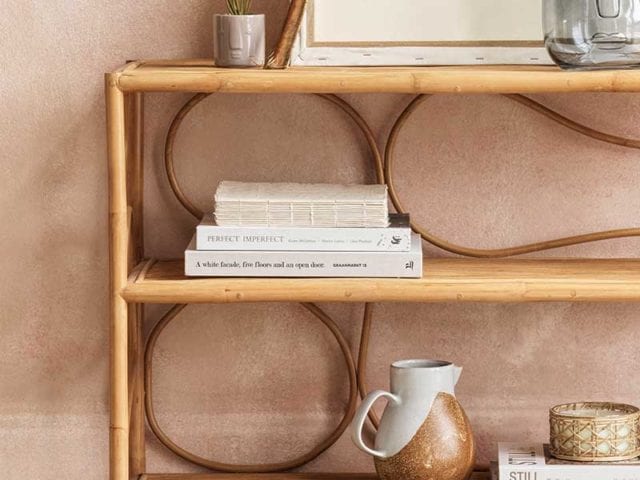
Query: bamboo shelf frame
[202,76]
[278,476]
[135,281]
[268,476]
[445,280]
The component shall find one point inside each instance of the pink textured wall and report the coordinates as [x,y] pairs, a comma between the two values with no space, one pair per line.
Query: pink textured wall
[264,382]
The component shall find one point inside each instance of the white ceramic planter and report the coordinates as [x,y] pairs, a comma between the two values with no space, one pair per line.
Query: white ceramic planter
[239,40]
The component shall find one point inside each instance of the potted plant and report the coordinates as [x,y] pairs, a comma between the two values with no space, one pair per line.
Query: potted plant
[239,36]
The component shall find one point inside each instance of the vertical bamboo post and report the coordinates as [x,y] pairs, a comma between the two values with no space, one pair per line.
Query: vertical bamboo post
[118,266]
[134,134]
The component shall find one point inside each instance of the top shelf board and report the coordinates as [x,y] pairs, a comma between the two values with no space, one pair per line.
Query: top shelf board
[203,76]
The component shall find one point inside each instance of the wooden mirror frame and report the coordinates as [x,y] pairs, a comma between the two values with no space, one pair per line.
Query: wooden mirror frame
[280,57]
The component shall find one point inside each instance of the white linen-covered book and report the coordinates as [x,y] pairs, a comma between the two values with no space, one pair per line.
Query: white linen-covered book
[395,238]
[200,263]
[301,205]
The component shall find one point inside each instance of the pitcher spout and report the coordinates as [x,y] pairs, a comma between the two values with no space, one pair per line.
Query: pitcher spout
[457,371]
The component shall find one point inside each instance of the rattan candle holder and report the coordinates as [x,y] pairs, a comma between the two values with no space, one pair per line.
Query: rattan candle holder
[595,432]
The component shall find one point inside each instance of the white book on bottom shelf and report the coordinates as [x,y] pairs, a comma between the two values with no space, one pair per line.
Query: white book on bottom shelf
[533,462]
[395,238]
[202,263]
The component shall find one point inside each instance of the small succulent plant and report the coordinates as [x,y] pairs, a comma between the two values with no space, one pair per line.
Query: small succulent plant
[239,7]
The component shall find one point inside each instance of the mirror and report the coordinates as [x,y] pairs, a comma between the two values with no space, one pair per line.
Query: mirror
[421,32]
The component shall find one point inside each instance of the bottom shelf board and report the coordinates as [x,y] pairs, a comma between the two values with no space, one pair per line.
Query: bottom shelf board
[279,476]
[444,280]
[262,476]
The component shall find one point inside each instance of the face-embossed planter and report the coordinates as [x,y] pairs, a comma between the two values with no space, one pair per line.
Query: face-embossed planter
[239,40]
[424,434]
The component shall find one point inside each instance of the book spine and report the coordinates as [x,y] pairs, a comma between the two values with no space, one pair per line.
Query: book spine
[617,472]
[303,264]
[304,239]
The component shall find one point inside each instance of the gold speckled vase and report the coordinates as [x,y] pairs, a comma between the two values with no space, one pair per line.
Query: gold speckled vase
[424,434]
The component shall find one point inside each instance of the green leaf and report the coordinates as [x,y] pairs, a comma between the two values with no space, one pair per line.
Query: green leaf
[239,7]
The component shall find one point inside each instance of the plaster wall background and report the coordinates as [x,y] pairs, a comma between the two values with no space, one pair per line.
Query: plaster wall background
[264,382]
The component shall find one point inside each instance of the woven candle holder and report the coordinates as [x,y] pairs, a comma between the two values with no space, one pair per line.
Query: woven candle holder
[595,432]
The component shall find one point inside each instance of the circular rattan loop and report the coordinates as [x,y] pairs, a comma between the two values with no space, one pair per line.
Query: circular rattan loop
[168,154]
[520,250]
[196,212]
[260,468]
[196,99]
[369,137]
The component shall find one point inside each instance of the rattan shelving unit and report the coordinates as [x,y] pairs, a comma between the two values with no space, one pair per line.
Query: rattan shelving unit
[136,280]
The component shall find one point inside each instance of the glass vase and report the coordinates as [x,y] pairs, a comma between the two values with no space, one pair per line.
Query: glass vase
[592,34]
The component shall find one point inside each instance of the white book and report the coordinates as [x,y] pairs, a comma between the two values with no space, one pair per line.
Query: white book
[199,263]
[395,238]
[533,462]
[300,193]
[301,205]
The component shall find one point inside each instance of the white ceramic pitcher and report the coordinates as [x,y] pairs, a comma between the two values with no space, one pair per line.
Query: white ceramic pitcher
[424,433]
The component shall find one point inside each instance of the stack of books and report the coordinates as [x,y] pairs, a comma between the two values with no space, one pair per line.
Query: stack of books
[291,230]
[533,462]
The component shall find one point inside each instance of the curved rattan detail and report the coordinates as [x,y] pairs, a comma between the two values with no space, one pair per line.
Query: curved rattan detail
[226,467]
[190,206]
[442,243]
[194,101]
[169,143]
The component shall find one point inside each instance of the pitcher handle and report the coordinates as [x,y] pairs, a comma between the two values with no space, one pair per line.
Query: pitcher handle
[361,416]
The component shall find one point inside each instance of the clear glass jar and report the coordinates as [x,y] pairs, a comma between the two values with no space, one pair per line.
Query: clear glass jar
[593,33]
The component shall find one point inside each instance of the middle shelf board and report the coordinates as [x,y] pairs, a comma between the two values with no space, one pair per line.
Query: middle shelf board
[444,280]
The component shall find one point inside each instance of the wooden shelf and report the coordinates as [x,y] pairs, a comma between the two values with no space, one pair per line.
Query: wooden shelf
[268,476]
[202,76]
[278,476]
[445,280]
